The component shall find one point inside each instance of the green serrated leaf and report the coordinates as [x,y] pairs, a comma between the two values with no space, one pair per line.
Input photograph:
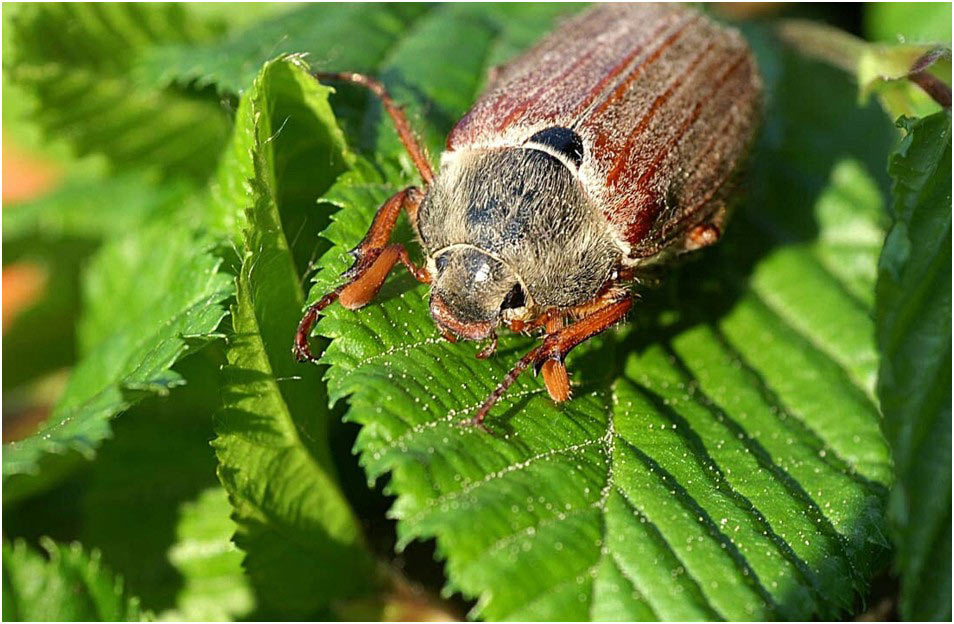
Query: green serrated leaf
[315,30]
[75,63]
[143,293]
[722,456]
[303,545]
[67,585]
[914,334]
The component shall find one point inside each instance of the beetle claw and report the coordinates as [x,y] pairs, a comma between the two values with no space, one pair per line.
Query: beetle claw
[489,350]
[547,355]
[475,423]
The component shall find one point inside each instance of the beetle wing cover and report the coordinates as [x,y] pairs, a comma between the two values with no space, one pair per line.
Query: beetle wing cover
[665,100]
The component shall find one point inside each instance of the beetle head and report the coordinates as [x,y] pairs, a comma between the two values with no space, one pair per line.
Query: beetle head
[473,292]
[509,232]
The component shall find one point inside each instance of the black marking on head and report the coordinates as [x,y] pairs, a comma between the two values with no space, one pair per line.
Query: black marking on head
[562,141]
[514,299]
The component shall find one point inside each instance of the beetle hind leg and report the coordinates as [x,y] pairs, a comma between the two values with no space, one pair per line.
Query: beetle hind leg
[555,377]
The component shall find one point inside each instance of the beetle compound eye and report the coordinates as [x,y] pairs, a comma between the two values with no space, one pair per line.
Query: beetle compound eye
[514,299]
[562,141]
[441,262]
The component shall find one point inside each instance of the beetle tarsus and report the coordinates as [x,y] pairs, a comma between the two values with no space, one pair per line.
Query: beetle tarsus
[489,350]
[301,348]
[507,381]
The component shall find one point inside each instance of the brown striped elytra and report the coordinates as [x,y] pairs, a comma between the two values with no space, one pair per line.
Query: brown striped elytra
[607,148]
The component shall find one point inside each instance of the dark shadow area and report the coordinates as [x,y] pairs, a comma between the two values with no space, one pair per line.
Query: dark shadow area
[300,138]
[158,459]
[418,561]
[127,502]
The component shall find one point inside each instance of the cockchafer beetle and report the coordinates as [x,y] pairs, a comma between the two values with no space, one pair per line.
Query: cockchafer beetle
[608,148]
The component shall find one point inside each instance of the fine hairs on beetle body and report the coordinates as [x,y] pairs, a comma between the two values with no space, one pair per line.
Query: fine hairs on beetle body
[607,148]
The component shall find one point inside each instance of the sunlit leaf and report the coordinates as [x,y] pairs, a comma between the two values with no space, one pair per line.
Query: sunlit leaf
[302,542]
[215,587]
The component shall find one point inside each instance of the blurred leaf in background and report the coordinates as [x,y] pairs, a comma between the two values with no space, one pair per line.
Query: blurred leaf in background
[911,22]
[66,585]
[73,61]
[914,334]
[151,296]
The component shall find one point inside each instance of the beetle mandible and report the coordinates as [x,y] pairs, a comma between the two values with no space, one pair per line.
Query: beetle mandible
[609,147]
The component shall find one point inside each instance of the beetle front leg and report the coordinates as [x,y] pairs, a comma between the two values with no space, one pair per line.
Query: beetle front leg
[550,355]
[374,259]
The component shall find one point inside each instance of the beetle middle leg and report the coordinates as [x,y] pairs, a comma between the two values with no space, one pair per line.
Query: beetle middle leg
[374,258]
[549,356]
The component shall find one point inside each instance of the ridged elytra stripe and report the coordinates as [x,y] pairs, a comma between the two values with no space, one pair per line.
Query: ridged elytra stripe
[679,223]
[543,88]
[620,162]
[650,209]
[582,113]
[693,116]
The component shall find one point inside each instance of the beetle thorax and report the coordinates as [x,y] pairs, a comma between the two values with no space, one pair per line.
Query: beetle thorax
[508,234]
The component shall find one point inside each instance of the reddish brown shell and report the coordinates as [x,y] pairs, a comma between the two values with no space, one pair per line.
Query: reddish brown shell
[665,100]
